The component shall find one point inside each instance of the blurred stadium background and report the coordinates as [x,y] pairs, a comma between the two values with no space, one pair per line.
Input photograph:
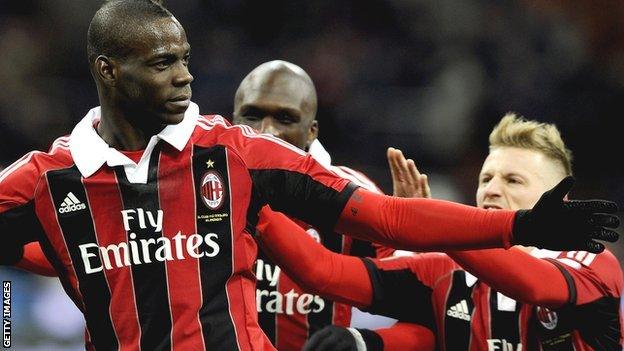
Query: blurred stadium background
[431,77]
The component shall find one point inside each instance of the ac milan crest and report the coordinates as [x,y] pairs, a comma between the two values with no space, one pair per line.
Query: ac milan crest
[547,317]
[212,190]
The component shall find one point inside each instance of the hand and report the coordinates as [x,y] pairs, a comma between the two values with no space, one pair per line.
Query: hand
[407,181]
[566,225]
[331,338]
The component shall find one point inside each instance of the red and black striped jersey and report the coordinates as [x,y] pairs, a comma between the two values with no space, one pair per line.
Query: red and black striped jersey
[157,254]
[466,314]
[287,313]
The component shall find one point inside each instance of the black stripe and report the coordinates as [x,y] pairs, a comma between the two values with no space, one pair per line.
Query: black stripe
[456,325]
[149,279]
[298,195]
[361,248]
[599,323]
[48,250]
[399,294]
[77,228]
[505,324]
[569,280]
[266,319]
[214,316]
[19,225]
[373,341]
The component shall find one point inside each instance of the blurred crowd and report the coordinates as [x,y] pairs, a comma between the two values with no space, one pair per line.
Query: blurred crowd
[431,77]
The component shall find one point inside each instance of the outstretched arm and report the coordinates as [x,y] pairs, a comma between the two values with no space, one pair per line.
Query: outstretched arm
[523,278]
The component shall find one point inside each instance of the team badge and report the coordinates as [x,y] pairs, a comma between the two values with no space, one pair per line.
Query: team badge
[547,317]
[212,190]
[314,234]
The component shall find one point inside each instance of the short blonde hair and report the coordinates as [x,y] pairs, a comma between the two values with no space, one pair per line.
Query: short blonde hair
[515,131]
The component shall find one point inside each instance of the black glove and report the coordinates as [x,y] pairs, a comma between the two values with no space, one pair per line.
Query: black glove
[331,338]
[566,225]
[334,338]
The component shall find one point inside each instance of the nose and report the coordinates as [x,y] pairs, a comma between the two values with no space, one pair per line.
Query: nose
[182,76]
[493,188]
[268,125]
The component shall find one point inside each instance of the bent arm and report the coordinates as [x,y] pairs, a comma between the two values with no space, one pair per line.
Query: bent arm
[34,261]
[407,336]
[338,277]
[517,274]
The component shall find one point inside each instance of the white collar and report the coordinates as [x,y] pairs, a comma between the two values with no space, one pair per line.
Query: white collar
[90,151]
[318,152]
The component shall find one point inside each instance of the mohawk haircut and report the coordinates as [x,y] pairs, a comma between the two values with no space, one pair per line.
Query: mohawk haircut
[515,131]
[117,22]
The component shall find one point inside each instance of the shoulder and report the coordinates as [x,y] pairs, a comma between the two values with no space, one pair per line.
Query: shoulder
[604,262]
[19,180]
[356,177]
[216,129]
[602,270]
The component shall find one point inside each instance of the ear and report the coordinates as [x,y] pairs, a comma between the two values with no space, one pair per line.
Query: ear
[105,70]
[312,133]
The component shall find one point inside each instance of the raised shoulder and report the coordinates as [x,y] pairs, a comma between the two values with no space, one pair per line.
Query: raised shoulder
[18,181]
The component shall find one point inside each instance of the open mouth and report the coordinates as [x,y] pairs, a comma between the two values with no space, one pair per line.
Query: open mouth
[492,207]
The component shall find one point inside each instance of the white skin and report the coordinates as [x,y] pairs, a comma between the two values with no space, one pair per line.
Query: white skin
[511,178]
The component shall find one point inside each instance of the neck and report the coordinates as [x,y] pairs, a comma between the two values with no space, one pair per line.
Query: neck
[118,132]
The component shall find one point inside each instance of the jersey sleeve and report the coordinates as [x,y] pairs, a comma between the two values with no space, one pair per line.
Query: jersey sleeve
[595,288]
[590,276]
[315,268]
[402,286]
[294,183]
[18,221]
[407,336]
[291,181]
[524,275]
[363,248]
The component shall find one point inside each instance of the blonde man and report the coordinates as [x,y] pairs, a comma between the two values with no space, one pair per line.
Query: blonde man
[517,299]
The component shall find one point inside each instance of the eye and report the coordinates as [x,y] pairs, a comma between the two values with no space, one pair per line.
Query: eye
[162,65]
[251,117]
[514,180]
[485,179]
[286,119]
[186,59]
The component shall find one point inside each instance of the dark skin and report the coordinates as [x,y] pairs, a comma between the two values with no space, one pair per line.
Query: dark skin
[278,98]
[142,93]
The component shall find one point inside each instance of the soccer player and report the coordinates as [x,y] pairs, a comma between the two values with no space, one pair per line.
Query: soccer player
[146,209]
[518,299]
[279,98]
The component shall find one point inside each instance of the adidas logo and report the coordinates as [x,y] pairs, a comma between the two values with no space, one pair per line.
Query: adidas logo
[460,310]
[71,204]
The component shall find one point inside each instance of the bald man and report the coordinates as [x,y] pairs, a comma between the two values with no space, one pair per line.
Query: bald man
[279,98]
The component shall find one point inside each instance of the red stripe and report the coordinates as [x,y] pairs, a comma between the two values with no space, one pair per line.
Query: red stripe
[291,331]
[177,200]
[104,197]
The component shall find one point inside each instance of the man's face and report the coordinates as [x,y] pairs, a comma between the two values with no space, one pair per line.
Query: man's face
[279,107]
[514,178]
[154,80]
